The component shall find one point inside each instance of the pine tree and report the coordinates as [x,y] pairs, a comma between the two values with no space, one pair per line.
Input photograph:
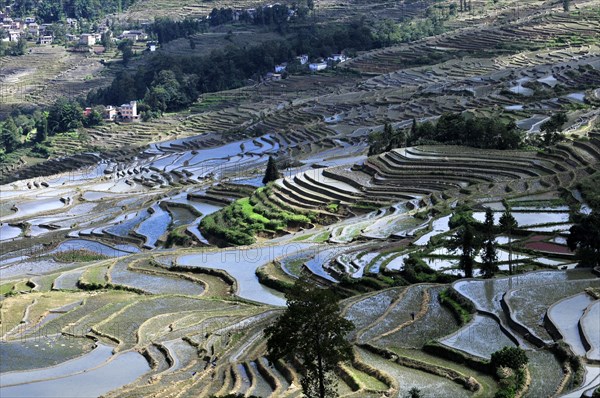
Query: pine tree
[465,238]
[388,134]
[9,136]
[551,128]
[271,174]
[41,126]
[508,223]
[312,333]
[489,256]
[466,241]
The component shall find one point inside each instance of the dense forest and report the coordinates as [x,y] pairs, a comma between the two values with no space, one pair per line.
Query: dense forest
[169,82]
[49,11]
[278,16]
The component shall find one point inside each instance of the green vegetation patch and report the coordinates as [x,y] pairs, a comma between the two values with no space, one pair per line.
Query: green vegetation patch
[79,255]
[366,381]
[178,237]
[6,288]
[238,223]
[95,276]
[461,308]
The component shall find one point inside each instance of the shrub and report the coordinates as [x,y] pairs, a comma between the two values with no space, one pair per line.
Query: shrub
[178,237]
[510,357]
[41,150]
[332,207]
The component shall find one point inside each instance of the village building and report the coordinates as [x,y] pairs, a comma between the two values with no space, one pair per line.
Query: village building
[14,35]
[33,29]
[280,68]
[45,40]
[89,39]
[338,58]
[126,112]
[317,66]
[303,59]
[133,35]
[110,112]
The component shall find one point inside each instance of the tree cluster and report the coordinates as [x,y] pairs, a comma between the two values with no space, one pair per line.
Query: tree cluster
[461,129]
[386,140]
[276,15]
[509,364]
[584,238]
[167,29]
[50,11]
[452,129]
[31,130]
[388,32]
[552,127]
[271,173]
[473,237]
[9,48]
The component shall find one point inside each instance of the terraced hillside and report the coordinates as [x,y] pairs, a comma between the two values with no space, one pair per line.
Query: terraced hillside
[418,177]
[406,333]
[109,265]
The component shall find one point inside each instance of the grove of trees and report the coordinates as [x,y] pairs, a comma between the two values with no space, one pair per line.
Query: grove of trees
[49,11]
[9,48]
[31,130]
[452,129]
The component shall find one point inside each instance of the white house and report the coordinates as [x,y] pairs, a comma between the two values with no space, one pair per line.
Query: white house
[126,112]
[45,40]
[110,112]
[317,66]
[338,57]
[88,39]
[273,76]
[303,59]
[33,29]
[133,35]
[280,68]
[14,35]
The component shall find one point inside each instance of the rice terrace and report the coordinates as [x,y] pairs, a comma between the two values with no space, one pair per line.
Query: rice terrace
[214,198]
